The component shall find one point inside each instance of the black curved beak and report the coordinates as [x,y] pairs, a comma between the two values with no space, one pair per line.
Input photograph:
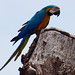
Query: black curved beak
[57,13]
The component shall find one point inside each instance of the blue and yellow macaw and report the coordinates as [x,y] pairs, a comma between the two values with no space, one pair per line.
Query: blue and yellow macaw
[38,22]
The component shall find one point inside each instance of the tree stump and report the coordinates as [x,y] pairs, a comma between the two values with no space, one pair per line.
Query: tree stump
[51,53]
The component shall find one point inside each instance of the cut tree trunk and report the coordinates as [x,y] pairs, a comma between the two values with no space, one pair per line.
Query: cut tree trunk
[51,53]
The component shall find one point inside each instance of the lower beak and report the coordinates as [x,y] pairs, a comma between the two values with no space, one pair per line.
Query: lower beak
[57,13]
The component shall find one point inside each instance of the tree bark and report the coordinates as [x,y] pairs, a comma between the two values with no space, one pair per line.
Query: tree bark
[51,53]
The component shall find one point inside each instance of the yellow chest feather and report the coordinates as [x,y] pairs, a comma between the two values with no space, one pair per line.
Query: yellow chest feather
[44,22]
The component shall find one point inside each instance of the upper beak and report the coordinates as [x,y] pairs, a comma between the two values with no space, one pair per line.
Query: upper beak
[55,12]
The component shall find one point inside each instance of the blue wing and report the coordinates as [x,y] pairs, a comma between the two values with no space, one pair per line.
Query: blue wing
[35,21]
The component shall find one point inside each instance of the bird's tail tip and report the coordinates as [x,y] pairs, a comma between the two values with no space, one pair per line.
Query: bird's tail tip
[2,68]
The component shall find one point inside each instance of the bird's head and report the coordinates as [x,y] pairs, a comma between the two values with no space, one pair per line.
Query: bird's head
[52,10]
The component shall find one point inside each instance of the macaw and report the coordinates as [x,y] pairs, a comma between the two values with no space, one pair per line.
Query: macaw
[38,22]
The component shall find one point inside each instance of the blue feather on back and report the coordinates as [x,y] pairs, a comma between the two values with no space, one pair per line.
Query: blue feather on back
[34,22]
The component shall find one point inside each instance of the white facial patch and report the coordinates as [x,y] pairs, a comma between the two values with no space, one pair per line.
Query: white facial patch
[52,11]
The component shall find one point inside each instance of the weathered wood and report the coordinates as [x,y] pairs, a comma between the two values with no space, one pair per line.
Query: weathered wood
[53,54]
